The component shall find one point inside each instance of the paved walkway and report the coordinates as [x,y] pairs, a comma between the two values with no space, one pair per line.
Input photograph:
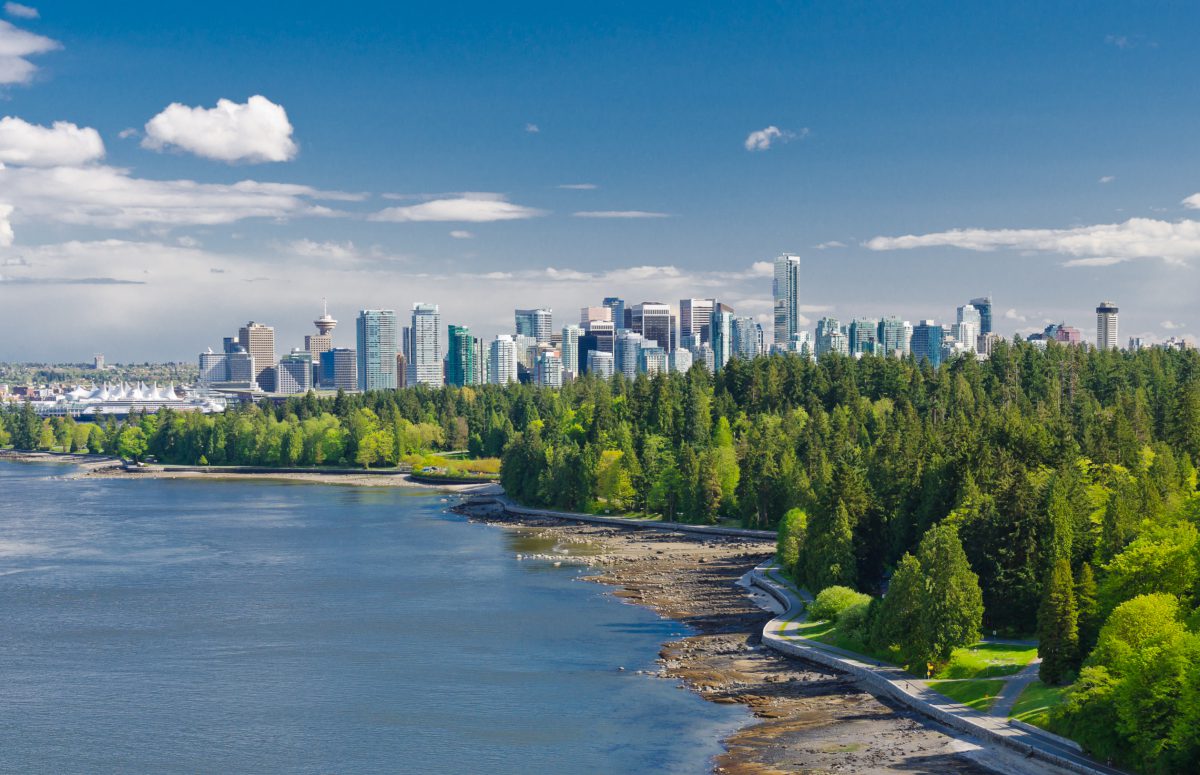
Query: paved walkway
[897,684]
[1013,686]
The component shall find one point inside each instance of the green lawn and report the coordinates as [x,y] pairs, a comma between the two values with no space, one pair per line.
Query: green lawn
[827,632]
[1036,702]
[985,660]
[974,694]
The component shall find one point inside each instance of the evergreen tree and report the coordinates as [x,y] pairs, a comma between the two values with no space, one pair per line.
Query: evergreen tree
[952,610]
[1088,608]
[1058,634]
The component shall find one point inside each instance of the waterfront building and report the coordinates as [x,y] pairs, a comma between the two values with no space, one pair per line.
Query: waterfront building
[214,367]
[321,341]
[785,288]
[460,356]
[549,372]
[695,320]
[617,307]
[339,369]
[376,339]
[600,364]
[425,363]
[654,321]
[503,360]
[259,341]
[538,323]
[241,368]
[125,400]
[721,334]
[681,360]
[983,305]
[627,358]
[927,342]
[1106,326]
[653,360]
[570,351]
[294,372]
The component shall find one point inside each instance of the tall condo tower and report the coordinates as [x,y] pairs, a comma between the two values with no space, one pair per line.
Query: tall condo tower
[377,349]
[1106,326]
[425,366]
[786,290]
[984,305]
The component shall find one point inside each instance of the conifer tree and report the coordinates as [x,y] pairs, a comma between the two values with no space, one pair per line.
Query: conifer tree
[1058,633]
[1088,608]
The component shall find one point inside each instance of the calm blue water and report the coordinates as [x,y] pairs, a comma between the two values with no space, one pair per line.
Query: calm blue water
[183,626]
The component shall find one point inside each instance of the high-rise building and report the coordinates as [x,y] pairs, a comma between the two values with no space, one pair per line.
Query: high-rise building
[653,320]
[1106,326]
[695,319]
[984,306]
[241,367]
[460,356]
[589,314]
[600,364]
[926,342]
[549,371]
[538,323]
[502,356]
[653,360]
[681,360]
[831,338]
[605,334]
[890,338]
[214,367]
[786,289]
[98,362]
[259,341]
[339,369]
[862,335]
[321,341]
[705,356]
[376,338]
[294,373]
[744,339]
[570,351]
[425,365]
[406,344]
[617,305]
[721,335]
[628,354]
[401,369]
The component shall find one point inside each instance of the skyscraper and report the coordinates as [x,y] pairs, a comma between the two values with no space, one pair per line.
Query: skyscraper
[967,329]
[570,351]
[214,367]
[502,355]
[681,360]
[294,373]
[653,360]
[695,319]
[425,366]
[589,314]
[460,356]
[617,305]
[890,338]
[376,339]
[628,354]
[831,338]
[744,338]
[600,364]
[538,323]
[549,371]
[786,290]
[1106,326]
[926,342]
[721,332]
[653,320]
[259,341]
[339,369]
[862,335]
[984,305]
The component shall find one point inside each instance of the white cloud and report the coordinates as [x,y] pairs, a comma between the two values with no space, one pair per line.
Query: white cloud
[128,133]
[1107,179]
[6,230]
[334,251]
[17,44]
[1100,245]
[254,132]
[762,139]
[579,186]
[619,214]
[471,207]
[532,129]
[63,144]
[1172,326]
[830,244]
[188,242]
[1012,314]
[462,234]
[18,11]
[762,269]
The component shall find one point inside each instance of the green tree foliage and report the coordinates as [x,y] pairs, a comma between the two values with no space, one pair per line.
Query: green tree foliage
[131,444]
[832,601]
[952,607]
[1058,628]
[793,532]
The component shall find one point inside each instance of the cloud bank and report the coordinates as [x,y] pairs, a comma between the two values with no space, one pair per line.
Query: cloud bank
[17,44]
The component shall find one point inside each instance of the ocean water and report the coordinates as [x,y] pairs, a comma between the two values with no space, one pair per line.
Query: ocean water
[257,627]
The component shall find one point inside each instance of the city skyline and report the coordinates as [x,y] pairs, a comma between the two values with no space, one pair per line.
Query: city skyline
[243,180]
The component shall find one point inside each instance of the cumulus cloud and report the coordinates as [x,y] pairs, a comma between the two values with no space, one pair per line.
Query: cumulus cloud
[15,45]
[1012,314]
[1175,242]
[334,251]
[254,132]
[619,214]
[63,144]
[467,208]
[18,11]
[763,139]
[462,234]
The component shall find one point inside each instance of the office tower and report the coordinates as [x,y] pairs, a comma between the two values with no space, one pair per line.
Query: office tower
[627,357]
[460,356]
[214,367]
[705,356]
[294,373]
[318,343]
[339,369]
[721,334]
[589,314]
[600,364]
[425,365]
[653,360]
[549,372]
[259,341]
[984,306]
[538,323]
[786,289]
[681,360]
[230,345]
[1106,326]
[401,370]
[862,335]
[376,339]
[927,342]
[502,360]
[890,338]
[406,344]
[241,367]
[570,351]
[831,338]
[695,319]
[652,319]
[617,306]
[98,362]
[605,334]
[744,338]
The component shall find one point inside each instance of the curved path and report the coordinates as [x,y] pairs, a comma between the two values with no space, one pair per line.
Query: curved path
[896,684]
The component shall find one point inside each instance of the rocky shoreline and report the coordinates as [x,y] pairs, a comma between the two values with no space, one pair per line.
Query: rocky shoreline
[807,719]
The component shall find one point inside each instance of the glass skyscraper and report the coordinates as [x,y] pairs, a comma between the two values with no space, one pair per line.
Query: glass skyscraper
[425,366]
[786,290]
[376,338]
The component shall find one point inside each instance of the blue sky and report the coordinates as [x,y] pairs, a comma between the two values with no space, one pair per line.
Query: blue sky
[1043,153]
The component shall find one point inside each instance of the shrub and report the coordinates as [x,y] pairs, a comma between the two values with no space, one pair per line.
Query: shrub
[834,600]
